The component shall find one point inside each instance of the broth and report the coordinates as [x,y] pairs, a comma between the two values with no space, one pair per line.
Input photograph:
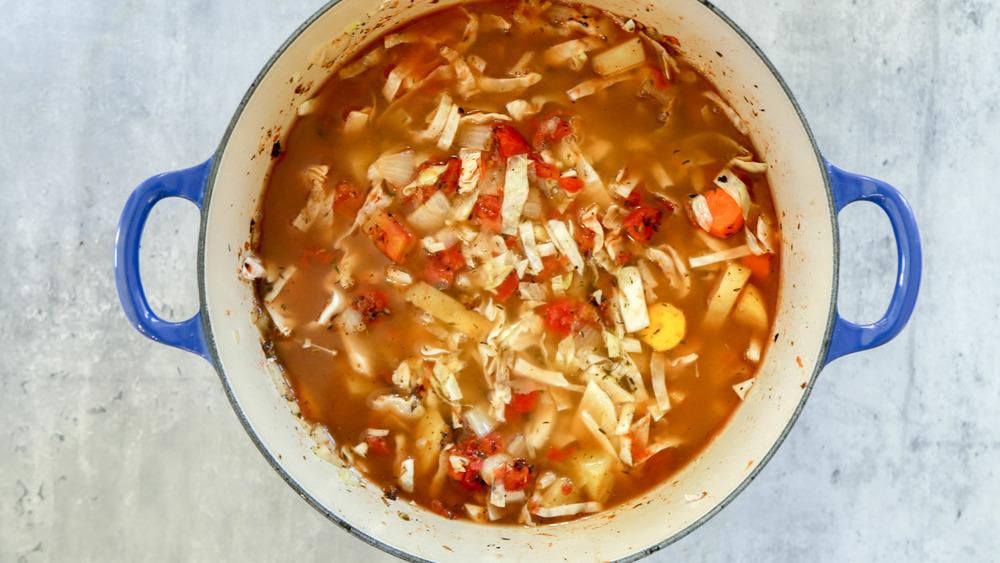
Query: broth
[518,260]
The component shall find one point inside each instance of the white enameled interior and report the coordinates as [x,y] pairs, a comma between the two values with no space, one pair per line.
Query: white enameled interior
[807,297]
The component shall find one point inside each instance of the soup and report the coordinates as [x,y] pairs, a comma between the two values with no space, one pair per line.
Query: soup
[517,262]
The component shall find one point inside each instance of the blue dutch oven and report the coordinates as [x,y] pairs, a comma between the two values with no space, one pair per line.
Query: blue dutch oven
[808,193]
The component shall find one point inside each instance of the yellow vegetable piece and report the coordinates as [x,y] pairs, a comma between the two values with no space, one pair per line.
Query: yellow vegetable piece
[666,327]
[750,308]
[727,289]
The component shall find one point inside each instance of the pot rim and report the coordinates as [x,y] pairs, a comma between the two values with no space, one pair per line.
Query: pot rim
[385,547]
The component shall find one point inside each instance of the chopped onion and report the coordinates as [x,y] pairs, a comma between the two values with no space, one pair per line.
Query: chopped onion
[748,165]
[406,475]
[567,509]
[398,169]
[351,321]
[337,303]
[279,284]
[702,215]
[370,59]
[474,136]
[397,276]
[479,421]
[356,121]
[432,215]
[721,256]
[252,268]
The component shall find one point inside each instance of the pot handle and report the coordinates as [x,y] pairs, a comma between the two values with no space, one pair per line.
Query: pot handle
[188,184]
[848,337]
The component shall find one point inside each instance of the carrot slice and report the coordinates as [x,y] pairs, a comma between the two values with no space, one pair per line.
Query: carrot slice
[760,266]
[727,217]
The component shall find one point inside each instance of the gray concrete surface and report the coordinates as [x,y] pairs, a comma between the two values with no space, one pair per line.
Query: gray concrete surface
[114,448]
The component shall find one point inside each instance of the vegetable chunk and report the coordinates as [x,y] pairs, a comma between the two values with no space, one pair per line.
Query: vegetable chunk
[666,327]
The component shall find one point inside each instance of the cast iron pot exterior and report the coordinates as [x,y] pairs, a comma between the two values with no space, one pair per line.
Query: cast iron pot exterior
[808,333]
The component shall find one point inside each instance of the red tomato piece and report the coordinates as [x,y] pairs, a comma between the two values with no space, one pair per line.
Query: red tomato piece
[442,267]
[543,170]
[642,223]
[372,304]
[571,184]
[377,445]
[448,180]
[439,507]
[564,316]
[390,236]
[487,211]
[346,200]
[521,403]
[562,130]
[584,239]
[516,476]
[633,199]
[509,141]
[507,288]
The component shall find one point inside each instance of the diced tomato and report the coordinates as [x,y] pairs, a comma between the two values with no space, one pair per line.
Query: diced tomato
[377,445]
[487,211]
[490,444]
[543,170]
[509,141]
[564,316]
[560,455]
[584,239]
[506,288]
[642,223]
[390,236]
[516,475]
[760,266]
[448,180]
[562,130]
[346,200]
[439,507]
[633,199]
[372,304]
[571,184]
[623,257]
[567,487]
[442,266]
[521,403]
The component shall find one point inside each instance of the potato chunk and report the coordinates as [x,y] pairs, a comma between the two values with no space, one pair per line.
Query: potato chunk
[666,327]
[750,308]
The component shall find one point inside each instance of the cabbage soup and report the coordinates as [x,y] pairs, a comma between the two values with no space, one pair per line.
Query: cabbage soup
[516,261]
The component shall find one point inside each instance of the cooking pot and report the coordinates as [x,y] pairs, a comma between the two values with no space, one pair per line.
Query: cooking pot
[808,332]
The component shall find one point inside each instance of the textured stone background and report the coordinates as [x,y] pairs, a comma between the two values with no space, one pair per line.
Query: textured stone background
[114,448]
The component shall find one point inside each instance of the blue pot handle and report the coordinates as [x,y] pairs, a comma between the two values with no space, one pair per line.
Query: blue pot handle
[848,337]
[188,184]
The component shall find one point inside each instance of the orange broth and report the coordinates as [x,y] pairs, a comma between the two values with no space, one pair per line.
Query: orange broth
[553,391]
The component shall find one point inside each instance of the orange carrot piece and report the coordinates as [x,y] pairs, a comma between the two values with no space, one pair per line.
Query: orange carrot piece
[727,217]
[760,266]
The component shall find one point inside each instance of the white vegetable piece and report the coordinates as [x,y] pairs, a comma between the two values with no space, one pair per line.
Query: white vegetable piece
[621,57]
[564,242]
[743,387]
[631,299]
[406,475]
[515,193]
[721,256]
[527,370]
